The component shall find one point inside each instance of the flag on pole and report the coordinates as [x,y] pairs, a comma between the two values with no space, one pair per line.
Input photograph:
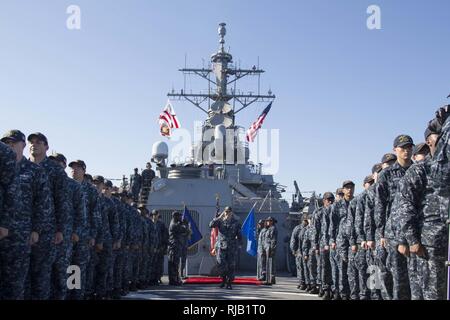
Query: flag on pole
[253,130]
[249,231]
[214,231]
[196,236]
[168,120]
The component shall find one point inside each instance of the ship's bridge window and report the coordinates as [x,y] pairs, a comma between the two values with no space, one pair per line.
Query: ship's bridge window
[166,217]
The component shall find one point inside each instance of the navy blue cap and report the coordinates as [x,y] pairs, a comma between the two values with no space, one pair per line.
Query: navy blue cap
[421,148]
[328,195]
[58,157]
[347,183]
[13,135]
[80,163]
[98,179]
[108,184]
[377,168]
[38,135]
[403,140]
[388,157]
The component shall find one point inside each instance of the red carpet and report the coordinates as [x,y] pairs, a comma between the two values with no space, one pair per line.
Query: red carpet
[217,280]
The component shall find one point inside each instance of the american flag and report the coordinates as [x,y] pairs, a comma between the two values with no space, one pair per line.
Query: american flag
[253,130]
[168,120]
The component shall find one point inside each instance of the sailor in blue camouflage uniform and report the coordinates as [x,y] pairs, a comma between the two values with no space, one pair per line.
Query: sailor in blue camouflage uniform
[334,259]
[136,242]
[270,247]
[144,257]
[22,211]
[324,240]
[9,185]
[304,246]
[116,236]
[311,253]
[261,255]
[184,251]
[316,224]
[339,236]
[294,246]
[126,243]
[177,232]
[423,208]
[118,249]
[84,249]
[385,191]
[163,239]
[76,227]
[155,238]
[135,184]
[358,253]
[48,265]
[376,255]
[103,246]
[228,240]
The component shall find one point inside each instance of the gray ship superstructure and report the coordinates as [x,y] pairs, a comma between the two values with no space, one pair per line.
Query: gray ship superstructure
[219,166]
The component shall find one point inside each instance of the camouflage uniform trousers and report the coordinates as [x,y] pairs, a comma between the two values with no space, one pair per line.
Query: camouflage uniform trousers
[43,257]
[143,266]
[80,258]
[59,269]
[398,267]
[151,274]
[119,265]
[432,273]
[334,270]
[261,265]
[158,266]
[102,269]
[342,257]
[384,275]
[306,273]
[326,277]
[174,258]
[126,269]
[373,279]
[91,266]
[111,271]
[134,264]
[312,267]
[357,274]
[4,248]
[226,259]
[300,272]
[183,260]
[319,269]
[15,256]
[273,267]
[414,277]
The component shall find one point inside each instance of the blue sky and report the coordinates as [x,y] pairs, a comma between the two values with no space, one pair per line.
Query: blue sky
[343,91]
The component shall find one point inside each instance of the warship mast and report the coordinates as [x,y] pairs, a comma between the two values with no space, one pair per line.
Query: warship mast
[221,101]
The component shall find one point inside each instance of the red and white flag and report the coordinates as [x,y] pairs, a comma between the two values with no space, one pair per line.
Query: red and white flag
[168,120]
[253,130]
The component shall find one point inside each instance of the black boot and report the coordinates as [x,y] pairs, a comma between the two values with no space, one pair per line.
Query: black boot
[337,296]
[327,295]
[321,292]
[314,290]
[229,285]
[303,287]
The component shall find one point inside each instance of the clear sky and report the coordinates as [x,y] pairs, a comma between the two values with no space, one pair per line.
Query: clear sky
[343,91]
